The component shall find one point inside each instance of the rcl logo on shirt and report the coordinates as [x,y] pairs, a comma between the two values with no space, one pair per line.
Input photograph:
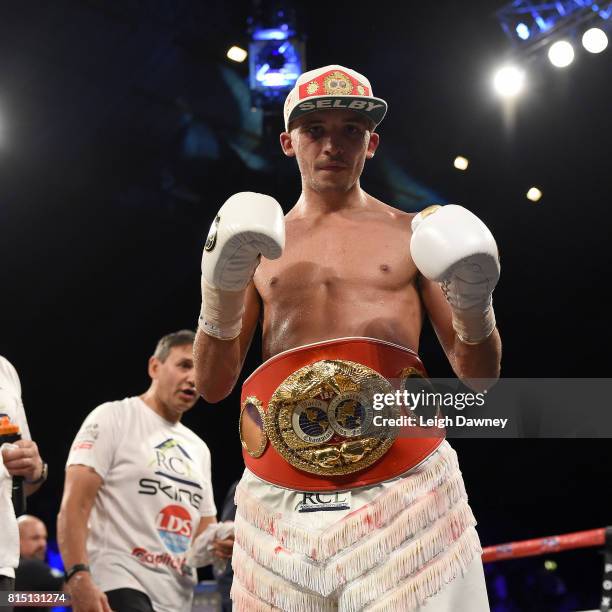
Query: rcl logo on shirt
[172,458]
[174,526]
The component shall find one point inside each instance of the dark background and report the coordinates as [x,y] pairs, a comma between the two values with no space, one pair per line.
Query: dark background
[123,129]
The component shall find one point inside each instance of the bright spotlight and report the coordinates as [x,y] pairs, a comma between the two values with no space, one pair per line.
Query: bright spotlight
[461,163]
[561,54]
[594,40]
[508,81]
[534,194]
[522,31]
[236,54]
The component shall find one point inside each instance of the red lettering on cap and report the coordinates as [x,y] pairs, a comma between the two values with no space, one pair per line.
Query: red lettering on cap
[331,83]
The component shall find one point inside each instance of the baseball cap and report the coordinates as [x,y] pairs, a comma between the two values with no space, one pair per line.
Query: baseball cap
[333,87]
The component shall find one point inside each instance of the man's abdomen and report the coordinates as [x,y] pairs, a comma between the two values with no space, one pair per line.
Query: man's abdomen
[303,320]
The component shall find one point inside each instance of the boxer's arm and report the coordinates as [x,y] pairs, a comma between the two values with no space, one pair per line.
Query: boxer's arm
[218,362]
[248,226]
[469,361]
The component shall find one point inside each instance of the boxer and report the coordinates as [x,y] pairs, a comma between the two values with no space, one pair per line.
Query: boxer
[329,517]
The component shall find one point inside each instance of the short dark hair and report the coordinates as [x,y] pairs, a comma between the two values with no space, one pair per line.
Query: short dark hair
[165,344]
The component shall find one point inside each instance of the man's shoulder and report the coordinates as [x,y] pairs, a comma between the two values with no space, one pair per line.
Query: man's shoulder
[391,211]
[5,364]
[194,438]
[8,374]
[114,409]
[192,435]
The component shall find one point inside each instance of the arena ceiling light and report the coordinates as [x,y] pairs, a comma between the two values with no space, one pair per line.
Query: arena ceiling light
[594,40]
[461,163]
[237,54]
[509,81]
[561,54]
[538,26]
[534,194]
[522,31]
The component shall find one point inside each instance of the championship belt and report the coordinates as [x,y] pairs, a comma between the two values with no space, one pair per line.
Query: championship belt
[306,418]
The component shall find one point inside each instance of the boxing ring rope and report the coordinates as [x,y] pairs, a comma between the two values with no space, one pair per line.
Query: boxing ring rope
[542,546]
[558,543]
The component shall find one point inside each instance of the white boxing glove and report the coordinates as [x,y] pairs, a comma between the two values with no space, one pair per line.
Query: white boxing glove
[247,226]
[454,247]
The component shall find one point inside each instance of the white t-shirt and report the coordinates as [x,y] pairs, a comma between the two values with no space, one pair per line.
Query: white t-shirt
[157,485]
[11,406]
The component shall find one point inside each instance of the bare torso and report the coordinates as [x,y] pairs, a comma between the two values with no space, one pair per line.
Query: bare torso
[346,273]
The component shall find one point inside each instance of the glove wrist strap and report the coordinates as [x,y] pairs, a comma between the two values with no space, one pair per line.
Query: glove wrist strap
[474,327]
[221,312]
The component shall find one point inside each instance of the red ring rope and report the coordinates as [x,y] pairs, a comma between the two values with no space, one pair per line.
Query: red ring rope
[541,546]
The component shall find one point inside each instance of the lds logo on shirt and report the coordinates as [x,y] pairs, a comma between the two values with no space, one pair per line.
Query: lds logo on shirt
[321,502]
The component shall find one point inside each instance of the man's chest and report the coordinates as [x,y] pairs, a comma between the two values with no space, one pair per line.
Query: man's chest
[338,257]
[160,467]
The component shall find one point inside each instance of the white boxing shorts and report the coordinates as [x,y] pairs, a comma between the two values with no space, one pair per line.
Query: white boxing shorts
[408,543]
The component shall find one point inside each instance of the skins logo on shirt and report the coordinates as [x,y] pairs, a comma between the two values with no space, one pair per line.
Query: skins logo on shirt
[151,486]
[172,462]
[175,528]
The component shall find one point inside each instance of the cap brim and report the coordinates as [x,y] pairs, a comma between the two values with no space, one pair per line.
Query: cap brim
[372,108]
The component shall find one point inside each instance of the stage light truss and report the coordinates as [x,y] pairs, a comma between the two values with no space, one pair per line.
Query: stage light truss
[531,25]
[276,53]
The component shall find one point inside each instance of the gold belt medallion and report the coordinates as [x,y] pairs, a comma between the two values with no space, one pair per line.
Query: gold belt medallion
[320,418]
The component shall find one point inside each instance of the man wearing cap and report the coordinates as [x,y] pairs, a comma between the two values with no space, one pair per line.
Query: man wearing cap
[333,513]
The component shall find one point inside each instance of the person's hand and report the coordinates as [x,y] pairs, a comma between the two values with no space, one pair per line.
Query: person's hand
[85,595]
[21,458]
[452,246]
[223,548]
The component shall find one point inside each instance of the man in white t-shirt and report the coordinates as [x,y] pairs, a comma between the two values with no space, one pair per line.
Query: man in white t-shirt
[137,492]
[23,459]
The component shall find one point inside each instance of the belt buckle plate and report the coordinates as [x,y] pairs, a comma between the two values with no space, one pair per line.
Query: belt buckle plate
[320,418]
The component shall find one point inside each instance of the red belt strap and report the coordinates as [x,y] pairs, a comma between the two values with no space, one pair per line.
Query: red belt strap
[384,357]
